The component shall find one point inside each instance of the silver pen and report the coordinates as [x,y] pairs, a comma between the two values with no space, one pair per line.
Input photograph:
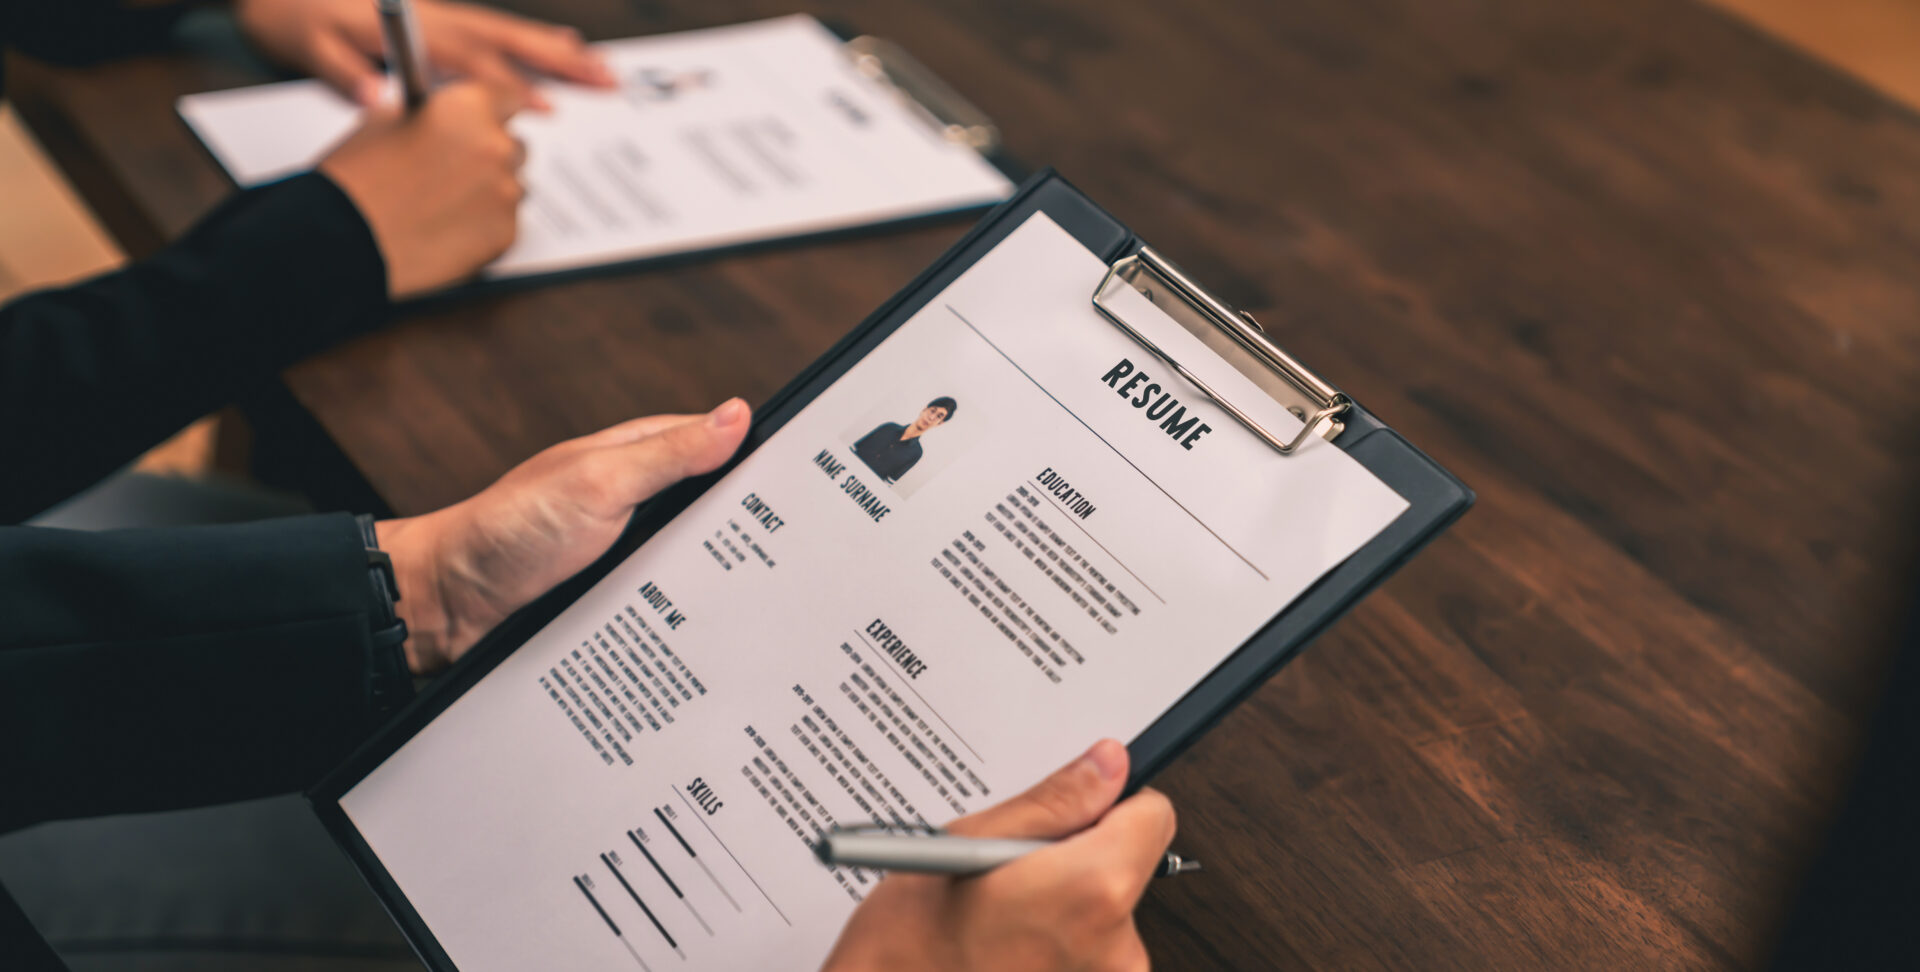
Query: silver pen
[405,52]
[920,852]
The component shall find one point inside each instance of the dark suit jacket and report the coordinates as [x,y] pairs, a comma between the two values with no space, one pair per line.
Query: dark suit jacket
[886,453]
[92,375]
[148,670]
[79,31]
[155,669]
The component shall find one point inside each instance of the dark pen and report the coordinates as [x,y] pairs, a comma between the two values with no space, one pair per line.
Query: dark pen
[405,52]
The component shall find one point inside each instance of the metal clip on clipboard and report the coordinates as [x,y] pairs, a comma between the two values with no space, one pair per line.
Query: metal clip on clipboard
[1236,337]
[954,117]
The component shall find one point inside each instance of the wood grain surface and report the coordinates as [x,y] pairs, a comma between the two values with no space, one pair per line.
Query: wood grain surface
[1644,278]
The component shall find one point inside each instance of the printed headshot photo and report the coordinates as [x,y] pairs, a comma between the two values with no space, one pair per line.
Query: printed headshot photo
[658,84]
[905,443]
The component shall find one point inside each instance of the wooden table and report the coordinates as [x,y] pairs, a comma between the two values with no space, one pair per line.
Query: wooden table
[1645,279]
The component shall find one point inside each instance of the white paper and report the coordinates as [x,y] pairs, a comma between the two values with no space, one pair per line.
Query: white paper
[715,137]
[781,582]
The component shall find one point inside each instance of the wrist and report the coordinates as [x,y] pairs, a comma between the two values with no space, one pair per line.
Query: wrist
[365,202]
[414,545]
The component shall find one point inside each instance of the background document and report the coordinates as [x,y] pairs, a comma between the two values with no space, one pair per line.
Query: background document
[808,645]
[714,137]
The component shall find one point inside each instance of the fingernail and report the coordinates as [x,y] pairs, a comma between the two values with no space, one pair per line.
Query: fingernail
[731,412]
[1108,759]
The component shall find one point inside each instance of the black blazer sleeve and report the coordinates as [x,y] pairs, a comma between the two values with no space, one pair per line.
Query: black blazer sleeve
[94,374]
[154,669]
[79,31]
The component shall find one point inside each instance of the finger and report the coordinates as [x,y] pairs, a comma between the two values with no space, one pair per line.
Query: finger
[484,65]
[651,464]
[633,430]
[500,93]
[386,111]
[548,48]
[1064,803]
[348,71]
[512,93]
[1129,843]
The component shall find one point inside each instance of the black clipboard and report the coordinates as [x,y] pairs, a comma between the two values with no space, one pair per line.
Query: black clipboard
[893,68]
[1435,496]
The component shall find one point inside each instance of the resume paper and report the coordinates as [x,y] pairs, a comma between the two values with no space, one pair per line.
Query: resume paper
[713,138]
[875,618]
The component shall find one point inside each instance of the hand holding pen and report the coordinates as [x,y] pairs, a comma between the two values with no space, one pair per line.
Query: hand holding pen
[1068,904]
[342,43]
[437,176]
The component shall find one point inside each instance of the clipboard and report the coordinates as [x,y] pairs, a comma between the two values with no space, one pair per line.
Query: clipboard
[926,96]
[1436,498]
[935,102]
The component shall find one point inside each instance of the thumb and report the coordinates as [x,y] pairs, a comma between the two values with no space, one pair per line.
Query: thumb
[698,445]
[1065,803]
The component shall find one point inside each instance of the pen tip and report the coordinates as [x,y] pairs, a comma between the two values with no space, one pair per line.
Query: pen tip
[1175,865]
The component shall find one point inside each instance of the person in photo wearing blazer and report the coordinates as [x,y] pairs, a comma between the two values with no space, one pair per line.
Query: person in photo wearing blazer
[892,449]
